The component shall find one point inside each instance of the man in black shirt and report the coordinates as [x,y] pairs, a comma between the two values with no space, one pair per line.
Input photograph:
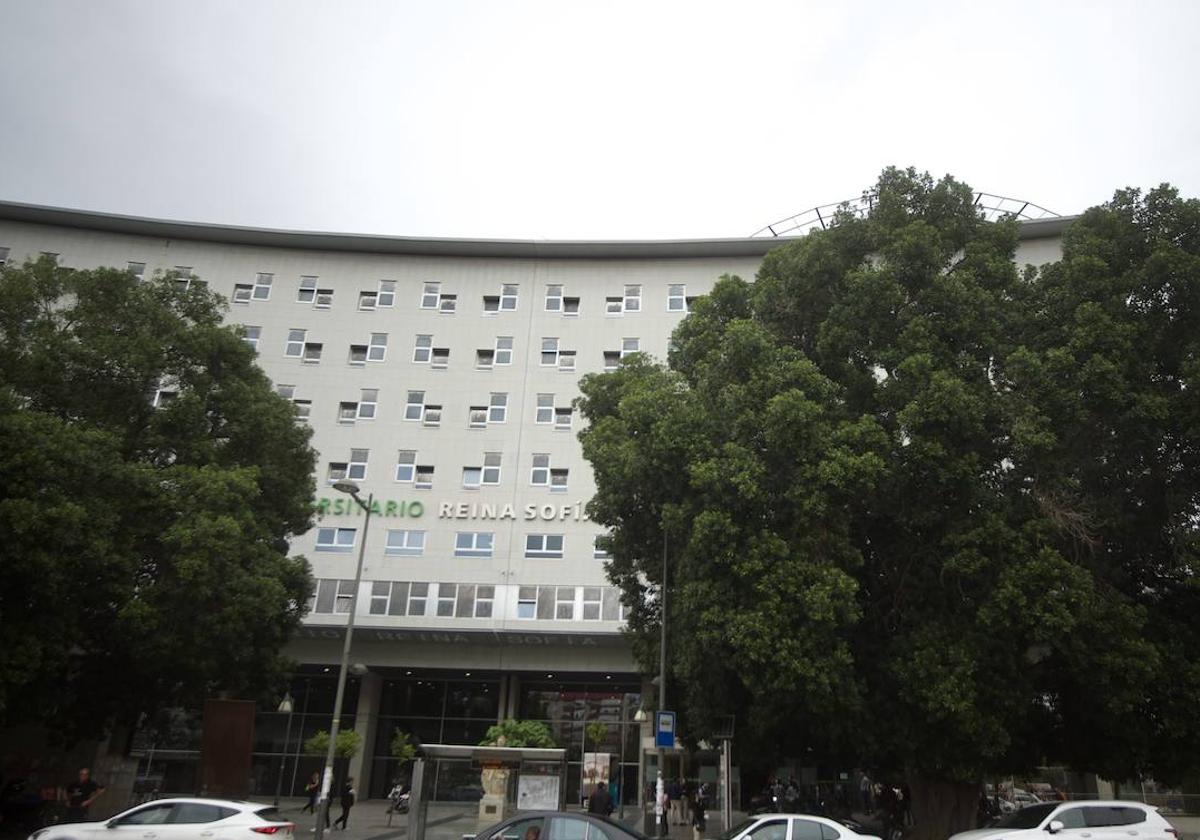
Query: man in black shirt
[81,794]
[600,802]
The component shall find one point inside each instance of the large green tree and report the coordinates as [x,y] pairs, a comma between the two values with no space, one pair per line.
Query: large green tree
[144,553]
[923,510]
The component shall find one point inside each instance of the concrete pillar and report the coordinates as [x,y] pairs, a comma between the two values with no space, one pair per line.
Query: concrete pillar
[366,722]
[514,696]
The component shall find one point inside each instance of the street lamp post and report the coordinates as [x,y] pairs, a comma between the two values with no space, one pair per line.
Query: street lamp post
[285,707]
[350,488]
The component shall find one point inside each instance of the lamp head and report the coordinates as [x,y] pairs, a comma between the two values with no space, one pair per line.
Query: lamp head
[285,705]
[346,486]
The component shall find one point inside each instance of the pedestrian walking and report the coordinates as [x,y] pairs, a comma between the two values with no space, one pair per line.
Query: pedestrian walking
[312,790]
[698,816]
[346,801]
[864,788]
[80,794]
[664,819]
[674,793]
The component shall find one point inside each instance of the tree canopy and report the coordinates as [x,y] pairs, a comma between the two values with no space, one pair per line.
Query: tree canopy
[151,480]
[924,510]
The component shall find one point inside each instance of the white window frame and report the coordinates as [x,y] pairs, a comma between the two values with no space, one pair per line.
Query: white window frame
[242,293]
[431,295]
[451,308]
[677,294]
[406,465]
[439,358]
[385,297]
[324,299]
[262,285]
[566,361]
[557,486]
[633,298]
[472,477]
[337,541]
[552,352]
[626,347]
[294,346]
[368,404]
[491,468]
[422,349]
[368,300]
[139,272]
[414,407]
[482,600]
[431,415]
[599,553]
[498,408]
[478,544]
[418,601]
[252,336]
[526,601]
[554,297]
[560,413]
[537,546]
[356,466]
[477,417]
[405,542]
[377,347]
[543,412]
[560,602]
[585,601]
[307,290]
[428,472]
[447,594]
[539,473]
[313,358]
[503,348]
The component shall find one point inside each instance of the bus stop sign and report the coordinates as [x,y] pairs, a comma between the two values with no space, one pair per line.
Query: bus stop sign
[664,730]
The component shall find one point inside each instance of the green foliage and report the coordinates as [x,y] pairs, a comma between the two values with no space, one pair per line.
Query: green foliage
[144,561]
[518,733]
[348,743]
[402,746]
[925,511]
[596,732]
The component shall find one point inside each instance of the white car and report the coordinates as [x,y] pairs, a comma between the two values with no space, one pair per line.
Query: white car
[180,819]
[792,827]
[1086,820]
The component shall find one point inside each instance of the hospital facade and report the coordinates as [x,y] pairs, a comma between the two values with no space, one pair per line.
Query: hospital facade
[440,376]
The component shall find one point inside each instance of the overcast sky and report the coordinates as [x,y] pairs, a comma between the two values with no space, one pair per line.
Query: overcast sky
[583,120]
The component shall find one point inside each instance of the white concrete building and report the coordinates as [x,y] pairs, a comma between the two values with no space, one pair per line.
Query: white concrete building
[439,375]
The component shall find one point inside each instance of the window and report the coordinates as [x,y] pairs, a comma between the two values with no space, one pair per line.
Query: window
[808,830]
[612,358]
[390,597]
[312,352]
[527,602]
[432,415]
[1071,818]
[473,544]
[335,539]
[570,306]
[504,350]
[184,279]
[544,413]
[422,349]
[477,417]
[242,292]
[324,299]
[430,295]
[506,301]
[368,403]
[612,305]
[485,597]
[484,359]
[424,479]
[549,352]
[491,468]
[566,360]
[498,408]
[367,301]
[295,343]
[164,397]
[307,291]
[447,594]
[150,815]
[441,358]
[466,601]
[417,594]
[405,543]
[347,412]
[554,296]
[194,813]
[1104,816]
[262,286]
[564,602]
[345,597]
[406,465]
[250,335]
[447,304]
[540,475]
[677,298]
[358,354]
[415,405]
[377,350]
[633,298]
[472,476]
[386,296]
[591,603]
[769,830]
[303,409]
[357,470]
[137,269]
[600,547]
[381,593]
[336,471]
[286,391]
[562,418]
[630,345]
[558,480]
[332,596]
[544,546]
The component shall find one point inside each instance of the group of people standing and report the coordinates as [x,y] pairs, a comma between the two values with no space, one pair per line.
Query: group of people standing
[681,803]
[346,797]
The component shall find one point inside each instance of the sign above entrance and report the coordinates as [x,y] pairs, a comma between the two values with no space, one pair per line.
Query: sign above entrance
[664,730]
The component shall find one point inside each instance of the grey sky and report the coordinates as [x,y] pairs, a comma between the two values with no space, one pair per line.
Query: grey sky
[572,120]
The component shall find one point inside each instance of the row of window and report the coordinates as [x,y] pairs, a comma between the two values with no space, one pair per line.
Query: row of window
[407,542]
[469,600]
[417,409]
[500,354]
[485,473]
[383,296]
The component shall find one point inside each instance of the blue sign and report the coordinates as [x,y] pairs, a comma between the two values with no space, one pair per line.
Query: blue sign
[664,730]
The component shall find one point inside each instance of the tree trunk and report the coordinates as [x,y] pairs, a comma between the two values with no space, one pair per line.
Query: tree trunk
[941,808]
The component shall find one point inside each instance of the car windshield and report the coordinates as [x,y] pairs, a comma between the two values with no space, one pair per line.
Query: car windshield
[729,834]
[1030,817]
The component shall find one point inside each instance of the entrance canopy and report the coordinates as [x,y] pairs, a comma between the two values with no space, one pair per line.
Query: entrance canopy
[492,754]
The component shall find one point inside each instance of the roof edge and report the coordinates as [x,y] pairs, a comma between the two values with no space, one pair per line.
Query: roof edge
[424,246]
